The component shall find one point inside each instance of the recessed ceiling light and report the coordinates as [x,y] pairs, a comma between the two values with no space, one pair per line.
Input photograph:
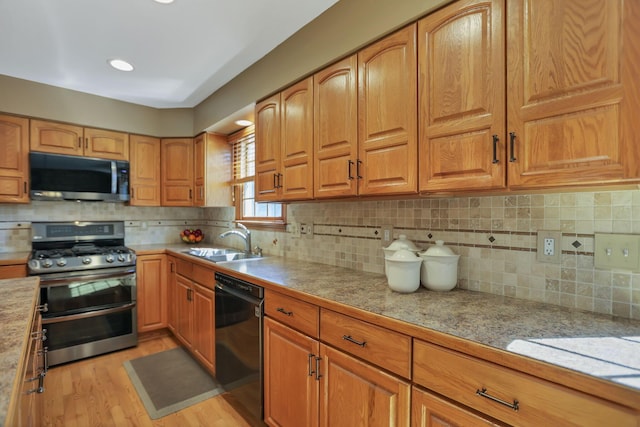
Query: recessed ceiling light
[120,64]
[243,122]
[163,1]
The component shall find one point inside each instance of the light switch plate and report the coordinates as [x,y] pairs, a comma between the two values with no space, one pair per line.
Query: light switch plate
[549,247]
[617,251]
[386,232]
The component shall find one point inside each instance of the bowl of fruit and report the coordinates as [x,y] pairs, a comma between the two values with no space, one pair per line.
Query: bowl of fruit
[189,235]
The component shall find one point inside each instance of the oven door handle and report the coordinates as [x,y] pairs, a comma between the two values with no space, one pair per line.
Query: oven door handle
[44,281]
[88,314]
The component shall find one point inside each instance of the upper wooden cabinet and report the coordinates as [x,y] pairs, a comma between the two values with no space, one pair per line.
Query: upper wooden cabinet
[212,170]
[284,144]
[176,159]
[366,121]
[14,159]
[144,175]
[573,101]
[387,115]
[335,109]
[462,97]
[59,138]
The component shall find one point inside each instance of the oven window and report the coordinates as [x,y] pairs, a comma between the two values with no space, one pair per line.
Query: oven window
[83,296]
[82,331]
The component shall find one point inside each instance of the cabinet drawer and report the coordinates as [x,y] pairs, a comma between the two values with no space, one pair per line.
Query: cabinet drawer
[184,268]
[204,276]
[300,315]
[539,402]
[383,347]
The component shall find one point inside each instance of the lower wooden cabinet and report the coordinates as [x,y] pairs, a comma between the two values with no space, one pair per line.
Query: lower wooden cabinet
[13,271]
[151,283]
[508,395]
[194,311]
[310,383]
[355,393]
[291,389]
[429,410]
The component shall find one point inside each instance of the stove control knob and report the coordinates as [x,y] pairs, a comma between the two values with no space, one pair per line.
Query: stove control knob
[86,260]
[61,262]
[121,257]
[109,258]
[47,263]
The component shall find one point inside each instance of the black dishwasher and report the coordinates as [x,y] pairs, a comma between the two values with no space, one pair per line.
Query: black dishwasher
[239,340]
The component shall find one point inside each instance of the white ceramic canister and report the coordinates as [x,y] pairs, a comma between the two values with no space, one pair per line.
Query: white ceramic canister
[403,274]
[439,270]
[401,243]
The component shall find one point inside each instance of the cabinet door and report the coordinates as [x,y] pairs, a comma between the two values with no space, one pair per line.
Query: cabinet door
[387,115]
[297,141]
[290,385]
[354,393]
[171,294]
[152,292]
[335,124]
[14,159]
[106,144]
[177,171]
[144,171]
[184,317]
[573,99]
[427,410]
[13,271]
[204,325]
[218,161]
[268,149]
[57,138]
[462,97]
[199,169]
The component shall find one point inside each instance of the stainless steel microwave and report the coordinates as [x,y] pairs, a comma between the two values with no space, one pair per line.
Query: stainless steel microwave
[60,177]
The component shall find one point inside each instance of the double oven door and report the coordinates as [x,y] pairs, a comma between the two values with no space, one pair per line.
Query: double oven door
[89,312]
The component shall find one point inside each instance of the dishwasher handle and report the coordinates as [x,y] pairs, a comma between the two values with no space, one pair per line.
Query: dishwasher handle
[238,294]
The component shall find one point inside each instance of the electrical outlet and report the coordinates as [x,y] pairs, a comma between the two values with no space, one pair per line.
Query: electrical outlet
[387,234]
[549,247]
[306,230]
[294,229]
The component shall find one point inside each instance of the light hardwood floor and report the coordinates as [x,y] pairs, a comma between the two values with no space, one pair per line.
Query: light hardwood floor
[97,392]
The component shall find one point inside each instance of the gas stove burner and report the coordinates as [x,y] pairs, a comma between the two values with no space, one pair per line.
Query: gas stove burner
[77,246]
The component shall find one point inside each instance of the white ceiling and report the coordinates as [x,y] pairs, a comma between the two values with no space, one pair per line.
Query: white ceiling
[182,52]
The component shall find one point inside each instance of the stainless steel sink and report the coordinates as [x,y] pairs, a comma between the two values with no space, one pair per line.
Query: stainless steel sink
[220,254]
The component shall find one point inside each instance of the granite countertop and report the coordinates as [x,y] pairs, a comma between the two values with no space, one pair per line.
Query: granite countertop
[17,301]
[602,346]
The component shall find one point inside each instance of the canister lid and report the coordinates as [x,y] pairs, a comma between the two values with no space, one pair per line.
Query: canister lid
[403,243]
[438,250]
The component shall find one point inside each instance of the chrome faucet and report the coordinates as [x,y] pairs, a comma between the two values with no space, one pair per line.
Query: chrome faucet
[246,235]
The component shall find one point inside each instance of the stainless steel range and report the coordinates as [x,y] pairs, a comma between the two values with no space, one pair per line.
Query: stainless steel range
[88,281]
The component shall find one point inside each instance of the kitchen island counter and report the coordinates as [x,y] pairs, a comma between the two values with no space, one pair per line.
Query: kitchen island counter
[18,298]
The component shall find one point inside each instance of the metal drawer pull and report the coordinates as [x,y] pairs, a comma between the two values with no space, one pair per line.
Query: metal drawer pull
[43,308]
[495,149]
[512,142]
[311,371]
[318,376]
[285,312]
[350,339]
[483,393]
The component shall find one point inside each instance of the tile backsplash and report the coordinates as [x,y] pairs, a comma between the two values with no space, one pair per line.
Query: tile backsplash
[495,236]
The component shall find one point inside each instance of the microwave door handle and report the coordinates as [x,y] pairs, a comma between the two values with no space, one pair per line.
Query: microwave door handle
[114,177]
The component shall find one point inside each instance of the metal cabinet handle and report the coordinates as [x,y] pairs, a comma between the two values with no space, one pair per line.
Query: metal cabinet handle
[86,143]
[45,355]
[349,164]
[483,393]
[495,149]
[512,143]
[190,194]
[358,163]
[275,180]
[285,312]
[25,186]
[311,371]
[43,308]
[318,375]
[79,142]
[350,339]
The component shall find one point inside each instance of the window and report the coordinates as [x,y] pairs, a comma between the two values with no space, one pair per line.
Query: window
[244,171]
